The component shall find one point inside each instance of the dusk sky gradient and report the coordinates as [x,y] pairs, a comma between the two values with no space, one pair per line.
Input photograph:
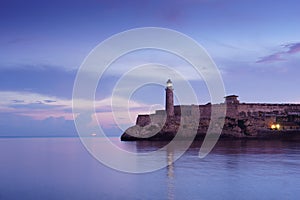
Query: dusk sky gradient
[255,44]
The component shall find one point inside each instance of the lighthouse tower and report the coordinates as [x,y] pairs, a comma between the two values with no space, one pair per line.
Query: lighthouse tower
[169,99]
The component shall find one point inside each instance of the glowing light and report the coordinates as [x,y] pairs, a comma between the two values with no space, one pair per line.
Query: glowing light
[169,83]
[273,126]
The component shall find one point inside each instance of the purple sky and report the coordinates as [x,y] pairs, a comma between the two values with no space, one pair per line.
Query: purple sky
[255,44]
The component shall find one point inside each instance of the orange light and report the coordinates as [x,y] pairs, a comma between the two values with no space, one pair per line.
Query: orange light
[273,126]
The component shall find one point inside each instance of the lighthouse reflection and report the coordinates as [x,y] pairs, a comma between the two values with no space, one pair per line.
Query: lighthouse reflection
[169,155]
[170,173]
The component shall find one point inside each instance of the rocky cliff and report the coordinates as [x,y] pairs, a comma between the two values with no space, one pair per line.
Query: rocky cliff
[233,128]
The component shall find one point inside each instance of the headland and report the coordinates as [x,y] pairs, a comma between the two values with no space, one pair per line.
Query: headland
[240,121]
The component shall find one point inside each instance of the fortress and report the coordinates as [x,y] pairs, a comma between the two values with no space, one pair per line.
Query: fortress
[242,120]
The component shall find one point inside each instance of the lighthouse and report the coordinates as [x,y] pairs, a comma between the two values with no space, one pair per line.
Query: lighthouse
[169,99]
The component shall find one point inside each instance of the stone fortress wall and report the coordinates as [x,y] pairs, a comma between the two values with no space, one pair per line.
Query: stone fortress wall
[245,118]
[242,120]
[260,115]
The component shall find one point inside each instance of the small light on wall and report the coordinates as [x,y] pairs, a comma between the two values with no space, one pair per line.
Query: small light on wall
[275,126]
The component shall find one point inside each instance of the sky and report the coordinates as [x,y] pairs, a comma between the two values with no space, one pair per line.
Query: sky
[255,45]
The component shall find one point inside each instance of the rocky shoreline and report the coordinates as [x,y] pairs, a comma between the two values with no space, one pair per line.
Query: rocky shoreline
[154,132]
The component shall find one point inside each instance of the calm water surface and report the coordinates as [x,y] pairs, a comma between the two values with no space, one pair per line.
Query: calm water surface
[61,168]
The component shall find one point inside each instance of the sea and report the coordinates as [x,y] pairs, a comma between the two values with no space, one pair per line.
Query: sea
[62,168]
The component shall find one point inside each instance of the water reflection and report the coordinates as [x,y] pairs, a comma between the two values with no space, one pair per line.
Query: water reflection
[170,173]
[235,148]
[171,150]
[60,168]
[232,163]
[170,160]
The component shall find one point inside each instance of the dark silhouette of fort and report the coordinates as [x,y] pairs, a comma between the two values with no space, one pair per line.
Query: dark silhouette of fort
[242,120]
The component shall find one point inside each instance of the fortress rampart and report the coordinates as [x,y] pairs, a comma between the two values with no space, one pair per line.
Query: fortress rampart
[241,119]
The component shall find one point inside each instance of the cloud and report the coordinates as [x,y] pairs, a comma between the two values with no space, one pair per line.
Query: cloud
[293,48]
[288,49]
[114,111]
[49,101]
[33,105]
[110,111]
[10,98]
[35,114]
[17,101]
[157,66]
[14,125]
[271,58]
[50,80]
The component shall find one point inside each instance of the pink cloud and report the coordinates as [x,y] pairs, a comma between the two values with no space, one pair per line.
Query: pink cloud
[291,48]
[271,58]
